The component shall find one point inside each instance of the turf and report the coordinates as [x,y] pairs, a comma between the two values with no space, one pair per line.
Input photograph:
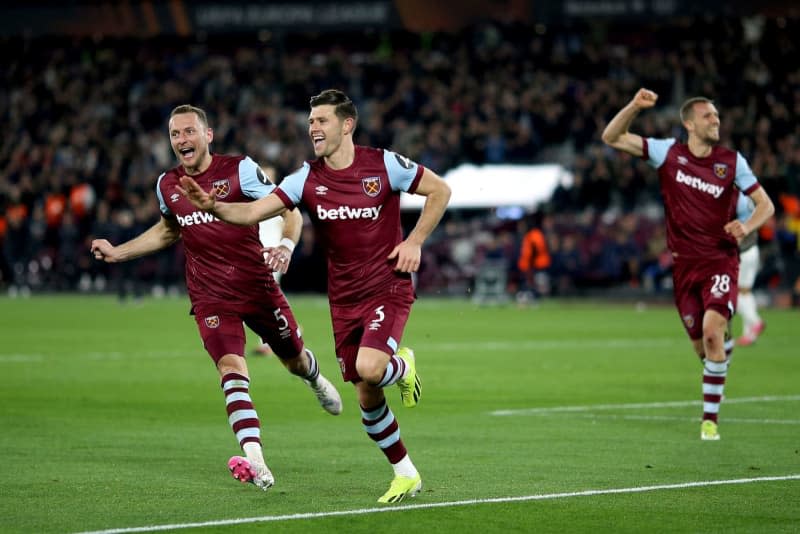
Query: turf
[111,417]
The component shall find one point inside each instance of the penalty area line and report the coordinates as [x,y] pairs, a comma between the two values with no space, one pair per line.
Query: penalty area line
[468,502]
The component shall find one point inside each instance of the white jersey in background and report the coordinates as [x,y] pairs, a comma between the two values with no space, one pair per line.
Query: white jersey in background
[749,259]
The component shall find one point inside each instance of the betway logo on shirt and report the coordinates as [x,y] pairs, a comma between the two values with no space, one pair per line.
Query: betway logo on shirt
[701,185]
[196,217]
[344,213]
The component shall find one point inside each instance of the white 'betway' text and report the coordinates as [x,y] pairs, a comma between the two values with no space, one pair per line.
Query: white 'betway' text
[347,212]
[701,185]
[196,217]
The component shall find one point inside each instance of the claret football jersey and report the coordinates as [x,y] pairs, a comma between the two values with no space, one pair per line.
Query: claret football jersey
[356,215]
[224,263]
[699,195]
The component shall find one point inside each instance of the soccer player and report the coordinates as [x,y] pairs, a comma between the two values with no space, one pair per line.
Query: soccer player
[228,281]
[352,194]
[752,324]
[699,181]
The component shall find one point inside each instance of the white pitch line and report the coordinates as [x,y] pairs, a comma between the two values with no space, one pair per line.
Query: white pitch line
[21,358]
[524,498]
[550,344]
[93,355]
[634,406]
[671,418]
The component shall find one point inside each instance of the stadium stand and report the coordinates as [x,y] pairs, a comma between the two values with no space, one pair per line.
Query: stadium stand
[85,136]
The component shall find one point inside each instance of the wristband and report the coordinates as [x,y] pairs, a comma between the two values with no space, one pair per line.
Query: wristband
[288,243]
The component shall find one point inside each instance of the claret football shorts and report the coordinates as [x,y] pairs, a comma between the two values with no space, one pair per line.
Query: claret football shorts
[704,284]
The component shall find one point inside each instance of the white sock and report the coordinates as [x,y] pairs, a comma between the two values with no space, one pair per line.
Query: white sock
[748,311]
[253,452]
[405,468]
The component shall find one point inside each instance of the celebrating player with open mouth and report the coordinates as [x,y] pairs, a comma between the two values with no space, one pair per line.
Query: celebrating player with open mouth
[228,281]
[352,194]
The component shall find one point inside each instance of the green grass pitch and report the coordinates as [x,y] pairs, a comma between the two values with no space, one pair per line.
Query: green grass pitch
[570,417]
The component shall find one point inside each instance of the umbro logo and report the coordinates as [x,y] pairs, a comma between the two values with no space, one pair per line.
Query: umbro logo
[174,197]
[682,160]
[321,190]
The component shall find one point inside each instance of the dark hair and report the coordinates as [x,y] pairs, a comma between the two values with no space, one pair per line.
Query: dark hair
[687,109]
[186,108]
[343,106]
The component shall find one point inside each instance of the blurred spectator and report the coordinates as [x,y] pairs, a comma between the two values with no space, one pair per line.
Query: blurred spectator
[97,275]
[87,119]
[657,262]
[789,239]
[534,261]
[566,266]
[16,247]
[70,247]
[124,276]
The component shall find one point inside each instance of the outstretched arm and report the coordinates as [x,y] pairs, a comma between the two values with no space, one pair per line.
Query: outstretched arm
[161,235]
[241,213]
[616,134]
[437,193]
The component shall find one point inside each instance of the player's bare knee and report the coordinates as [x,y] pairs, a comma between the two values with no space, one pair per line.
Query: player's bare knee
[712,335]
[713,345]
[232,363]
[370,370]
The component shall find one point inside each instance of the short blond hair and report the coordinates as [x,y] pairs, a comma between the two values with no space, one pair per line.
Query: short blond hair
[687,109]
[186,108]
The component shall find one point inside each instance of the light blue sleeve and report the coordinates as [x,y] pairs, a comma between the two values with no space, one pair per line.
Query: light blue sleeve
[293,184]
[657,150]
[252,180]
[162,206]
[400,169]
[745,179]
[744,207]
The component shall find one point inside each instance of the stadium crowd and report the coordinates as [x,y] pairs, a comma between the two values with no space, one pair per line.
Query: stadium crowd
[85,139]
